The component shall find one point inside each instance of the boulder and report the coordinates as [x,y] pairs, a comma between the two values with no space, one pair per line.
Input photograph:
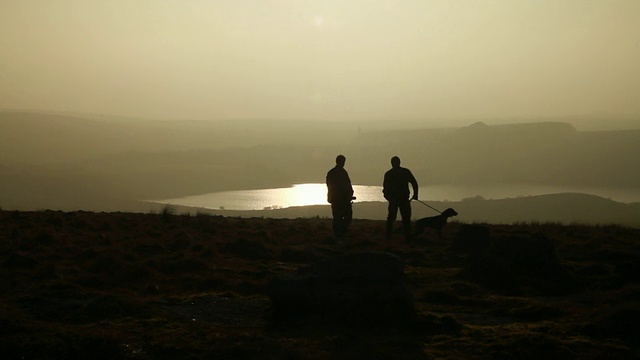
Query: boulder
[365,288]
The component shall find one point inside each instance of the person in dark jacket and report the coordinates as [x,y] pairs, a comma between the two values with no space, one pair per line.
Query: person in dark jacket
[396,190]
[340,195]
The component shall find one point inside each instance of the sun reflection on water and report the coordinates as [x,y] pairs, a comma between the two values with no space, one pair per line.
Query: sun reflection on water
[307,194]
[269,199]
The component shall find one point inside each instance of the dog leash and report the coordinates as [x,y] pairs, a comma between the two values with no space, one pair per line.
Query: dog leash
[427,205]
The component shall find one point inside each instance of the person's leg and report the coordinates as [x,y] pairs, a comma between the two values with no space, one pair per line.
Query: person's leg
[391,217]
[337,219]
[405,212]
[348,216]
[342,214]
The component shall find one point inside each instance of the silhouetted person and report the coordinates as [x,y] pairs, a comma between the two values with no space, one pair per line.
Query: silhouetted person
[396,190]
[339,195]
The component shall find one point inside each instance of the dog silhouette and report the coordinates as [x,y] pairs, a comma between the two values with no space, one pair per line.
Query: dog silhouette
[435,222]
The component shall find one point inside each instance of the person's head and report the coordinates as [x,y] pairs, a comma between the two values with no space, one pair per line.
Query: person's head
[395,161]
[340,160]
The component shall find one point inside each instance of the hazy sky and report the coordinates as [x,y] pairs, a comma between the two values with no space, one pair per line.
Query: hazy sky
[329,59]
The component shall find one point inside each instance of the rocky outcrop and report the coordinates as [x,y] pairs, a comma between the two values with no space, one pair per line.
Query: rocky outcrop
[366,288]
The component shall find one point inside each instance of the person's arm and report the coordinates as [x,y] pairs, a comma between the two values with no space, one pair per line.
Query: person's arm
[385,185]
[346,190]
[414,185]
[329,183]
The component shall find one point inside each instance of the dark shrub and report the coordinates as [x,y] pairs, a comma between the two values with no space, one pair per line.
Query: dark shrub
[514,264]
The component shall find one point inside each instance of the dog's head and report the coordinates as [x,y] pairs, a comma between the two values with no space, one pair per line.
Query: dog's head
[449,212]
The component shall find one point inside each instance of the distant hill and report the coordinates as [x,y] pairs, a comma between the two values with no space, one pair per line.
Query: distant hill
[554,208]
[541,153]
[84,162]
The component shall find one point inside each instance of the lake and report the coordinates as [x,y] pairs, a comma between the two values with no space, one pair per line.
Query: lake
[316,194]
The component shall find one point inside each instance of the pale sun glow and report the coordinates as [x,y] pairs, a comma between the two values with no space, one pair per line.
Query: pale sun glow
[318,20]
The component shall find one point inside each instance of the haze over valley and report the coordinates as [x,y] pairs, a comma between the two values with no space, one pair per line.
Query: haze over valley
[106,105]
[65,162]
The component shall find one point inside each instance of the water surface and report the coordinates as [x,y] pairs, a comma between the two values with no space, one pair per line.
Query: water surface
[316,194]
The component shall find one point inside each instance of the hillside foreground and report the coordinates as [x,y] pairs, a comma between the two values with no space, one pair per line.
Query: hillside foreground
[166,286]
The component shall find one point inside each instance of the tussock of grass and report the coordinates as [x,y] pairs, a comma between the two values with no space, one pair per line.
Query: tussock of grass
[168,210]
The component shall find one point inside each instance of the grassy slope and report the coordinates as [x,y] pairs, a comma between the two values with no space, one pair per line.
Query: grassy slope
[163,286]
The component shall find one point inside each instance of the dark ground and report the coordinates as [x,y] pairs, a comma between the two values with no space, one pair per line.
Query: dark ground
[161,286]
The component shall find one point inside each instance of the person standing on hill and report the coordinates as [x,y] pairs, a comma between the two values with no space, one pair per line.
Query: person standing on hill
[340,195]
[396,190]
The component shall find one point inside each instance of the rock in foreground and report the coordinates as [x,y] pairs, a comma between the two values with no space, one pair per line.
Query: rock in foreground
[366,288]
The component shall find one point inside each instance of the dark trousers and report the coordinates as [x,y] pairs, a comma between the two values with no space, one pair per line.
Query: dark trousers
[405,212]
[342,215]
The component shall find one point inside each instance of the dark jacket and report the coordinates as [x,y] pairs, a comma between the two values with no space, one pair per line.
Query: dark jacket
[396,184]
[339,185]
